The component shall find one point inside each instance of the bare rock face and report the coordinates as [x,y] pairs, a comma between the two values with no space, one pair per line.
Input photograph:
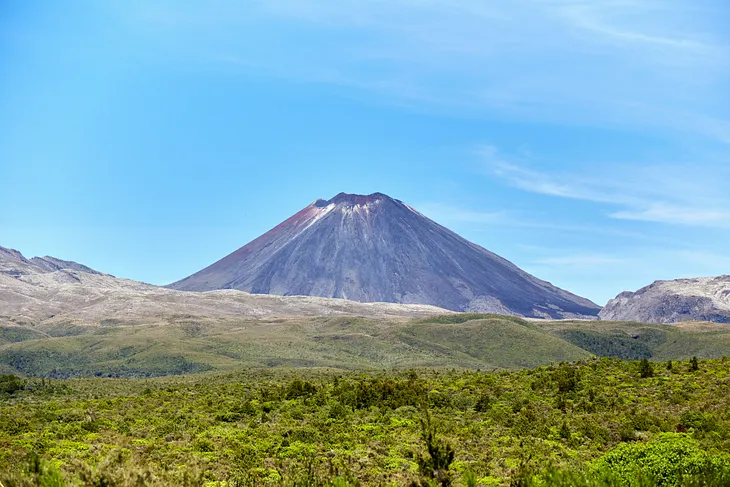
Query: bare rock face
[375,248]
[699,299]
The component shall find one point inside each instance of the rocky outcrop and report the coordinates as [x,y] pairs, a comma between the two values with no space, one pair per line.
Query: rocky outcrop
[375,248]
[698,299]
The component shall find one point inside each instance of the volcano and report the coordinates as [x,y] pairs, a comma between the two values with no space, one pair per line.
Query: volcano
[375,248]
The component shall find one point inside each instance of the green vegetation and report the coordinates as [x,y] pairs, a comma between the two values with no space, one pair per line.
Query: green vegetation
[646,369]
[189,344]
[595,422]
[620,345]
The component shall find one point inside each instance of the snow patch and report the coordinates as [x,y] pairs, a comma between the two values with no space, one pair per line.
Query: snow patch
[361,209]
[321,211]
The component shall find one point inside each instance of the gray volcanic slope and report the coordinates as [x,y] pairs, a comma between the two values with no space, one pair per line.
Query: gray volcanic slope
[376,248]
[698,299]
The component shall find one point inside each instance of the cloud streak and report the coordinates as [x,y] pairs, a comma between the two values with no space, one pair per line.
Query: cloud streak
[647,65]
[659,194]
[665,213]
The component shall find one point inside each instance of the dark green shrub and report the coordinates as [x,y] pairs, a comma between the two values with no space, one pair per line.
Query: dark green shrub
[564,431]
[434,466]
[299,388]
[703,422]
[388,393]
[646,369]
[10,384]
[483,403]
[567,378]
[694,364]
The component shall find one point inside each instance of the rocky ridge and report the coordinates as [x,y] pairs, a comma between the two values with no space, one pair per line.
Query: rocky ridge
[696,299]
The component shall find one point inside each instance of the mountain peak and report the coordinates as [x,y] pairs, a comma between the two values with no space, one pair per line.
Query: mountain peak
[356,199]
[375,248]
[11,253]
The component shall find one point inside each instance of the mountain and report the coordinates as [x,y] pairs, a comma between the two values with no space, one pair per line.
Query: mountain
[376,248]
[45,293]
[697,299]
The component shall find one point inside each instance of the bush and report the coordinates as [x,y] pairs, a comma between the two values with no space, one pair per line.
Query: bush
[694,364]
[567,379]
[671,460]
[299,388]
[646,369]
[10,384]
[435,465]
[36,474]
[386,393]
[483,403]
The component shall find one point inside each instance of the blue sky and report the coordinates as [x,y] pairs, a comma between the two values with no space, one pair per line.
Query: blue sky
[588,141]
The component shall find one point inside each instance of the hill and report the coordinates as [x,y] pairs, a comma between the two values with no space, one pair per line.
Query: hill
[187,344]
[47,294]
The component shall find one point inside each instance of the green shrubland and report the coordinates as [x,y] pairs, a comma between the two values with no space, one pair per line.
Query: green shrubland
[597,422]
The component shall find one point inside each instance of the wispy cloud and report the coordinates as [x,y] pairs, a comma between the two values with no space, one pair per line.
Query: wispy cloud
[665,213]
[605,19]
[648,65]
[661,194]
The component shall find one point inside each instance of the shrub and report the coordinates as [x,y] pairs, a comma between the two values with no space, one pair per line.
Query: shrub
[440,454]
[669,460]
[388,393]
[564,431]
[483,403]
[299,388]
[36,474]
[704,422]
[694,364]
[567,379]
[646,369]
[10,384]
